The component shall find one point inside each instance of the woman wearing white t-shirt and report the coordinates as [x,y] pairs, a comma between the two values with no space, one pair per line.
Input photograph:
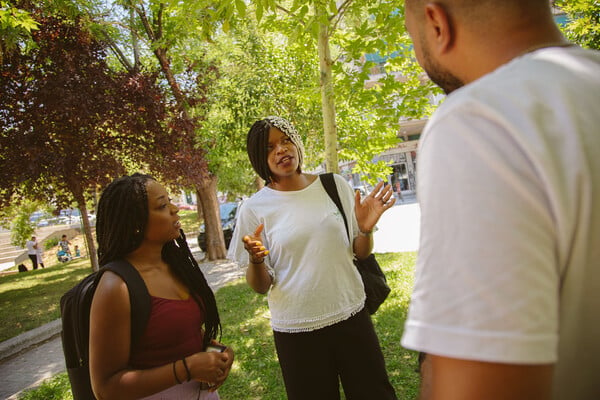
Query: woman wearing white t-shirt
[292,237]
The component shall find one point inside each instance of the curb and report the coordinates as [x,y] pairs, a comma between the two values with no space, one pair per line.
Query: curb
[30,338]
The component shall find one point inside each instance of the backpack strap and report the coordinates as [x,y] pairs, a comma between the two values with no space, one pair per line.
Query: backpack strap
[139,297]
[328,182]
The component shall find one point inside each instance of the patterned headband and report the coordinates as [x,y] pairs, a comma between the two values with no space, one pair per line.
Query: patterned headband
[288,129]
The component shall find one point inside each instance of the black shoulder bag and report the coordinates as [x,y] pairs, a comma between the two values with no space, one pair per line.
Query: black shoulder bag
[374,281]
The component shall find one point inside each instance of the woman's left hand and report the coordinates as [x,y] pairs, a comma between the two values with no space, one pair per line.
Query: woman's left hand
[373,206]
[225,371]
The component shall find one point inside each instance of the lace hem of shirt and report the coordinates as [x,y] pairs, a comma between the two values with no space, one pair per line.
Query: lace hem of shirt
[321,322]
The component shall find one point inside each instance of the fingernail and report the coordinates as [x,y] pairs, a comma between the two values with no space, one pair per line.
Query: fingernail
[266,252]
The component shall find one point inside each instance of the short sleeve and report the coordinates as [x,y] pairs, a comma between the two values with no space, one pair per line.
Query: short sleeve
[486,284]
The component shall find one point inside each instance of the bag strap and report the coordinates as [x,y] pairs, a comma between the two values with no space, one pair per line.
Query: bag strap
[139,297]
[328,182]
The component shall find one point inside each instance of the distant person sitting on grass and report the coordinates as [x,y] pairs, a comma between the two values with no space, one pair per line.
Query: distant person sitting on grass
[77,252]
[64,245]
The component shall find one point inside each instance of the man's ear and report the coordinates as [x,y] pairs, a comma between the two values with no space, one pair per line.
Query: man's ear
[439,28]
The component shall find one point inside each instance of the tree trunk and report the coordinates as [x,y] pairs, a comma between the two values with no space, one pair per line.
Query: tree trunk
[89,238]
[215,241]
[327,96]
[206,190]
[77,191]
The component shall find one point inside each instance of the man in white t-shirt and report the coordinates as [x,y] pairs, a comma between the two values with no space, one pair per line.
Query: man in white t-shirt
[506,303]
[32,246]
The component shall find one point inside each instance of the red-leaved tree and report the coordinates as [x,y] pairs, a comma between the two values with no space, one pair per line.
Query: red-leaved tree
[65,118]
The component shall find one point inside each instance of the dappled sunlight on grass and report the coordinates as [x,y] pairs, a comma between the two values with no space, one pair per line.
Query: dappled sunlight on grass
[189,221]
[389,323]
[246,328]
[31,299]
[245,318]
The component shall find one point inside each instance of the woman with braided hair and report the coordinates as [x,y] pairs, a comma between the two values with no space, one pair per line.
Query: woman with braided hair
[292,237]
[137,222]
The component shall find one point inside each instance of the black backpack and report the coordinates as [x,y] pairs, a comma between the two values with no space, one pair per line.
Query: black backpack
[75,315]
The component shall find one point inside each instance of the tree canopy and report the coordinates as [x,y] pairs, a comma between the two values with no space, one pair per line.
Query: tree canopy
[65,115]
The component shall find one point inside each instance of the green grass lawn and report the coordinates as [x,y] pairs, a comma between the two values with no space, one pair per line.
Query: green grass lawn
[189,222]
[31,299]
[246,328]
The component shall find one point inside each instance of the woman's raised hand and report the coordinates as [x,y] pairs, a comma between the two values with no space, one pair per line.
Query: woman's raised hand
[373,206]
[254,246]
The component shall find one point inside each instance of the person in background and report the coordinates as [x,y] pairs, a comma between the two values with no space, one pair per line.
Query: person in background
[398,189]
[39,254]
[31,246]
[506,296]
[292,237]
[77,252]
[64,245]
[137,222]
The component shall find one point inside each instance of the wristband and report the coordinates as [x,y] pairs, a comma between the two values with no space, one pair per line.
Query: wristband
[189,375]
[365,234]
[175,373]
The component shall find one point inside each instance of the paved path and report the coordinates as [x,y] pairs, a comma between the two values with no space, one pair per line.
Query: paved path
[398,229]
[32,366]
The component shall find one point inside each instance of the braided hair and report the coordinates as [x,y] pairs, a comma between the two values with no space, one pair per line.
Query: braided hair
[121,220]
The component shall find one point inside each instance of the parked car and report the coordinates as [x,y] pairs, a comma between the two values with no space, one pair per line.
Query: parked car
[228,218]
[73,216]
[363,189]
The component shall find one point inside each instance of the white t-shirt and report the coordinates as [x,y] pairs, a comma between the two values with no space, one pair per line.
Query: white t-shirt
[315,283]
[509,189]
[30,249]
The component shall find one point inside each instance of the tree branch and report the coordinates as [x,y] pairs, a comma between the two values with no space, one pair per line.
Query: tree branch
[117,52]
[159,21]
[336,18]
[291,14]
[147,26]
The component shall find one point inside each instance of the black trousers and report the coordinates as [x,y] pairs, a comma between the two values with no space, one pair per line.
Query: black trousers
[33,258]
[313,363]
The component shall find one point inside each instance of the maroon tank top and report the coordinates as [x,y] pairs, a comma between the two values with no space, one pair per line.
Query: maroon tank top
[174,331]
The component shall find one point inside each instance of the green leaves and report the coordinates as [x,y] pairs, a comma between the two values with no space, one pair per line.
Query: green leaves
[365,37]
[241,8]
[15,18]
[16,26]
[583,25]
